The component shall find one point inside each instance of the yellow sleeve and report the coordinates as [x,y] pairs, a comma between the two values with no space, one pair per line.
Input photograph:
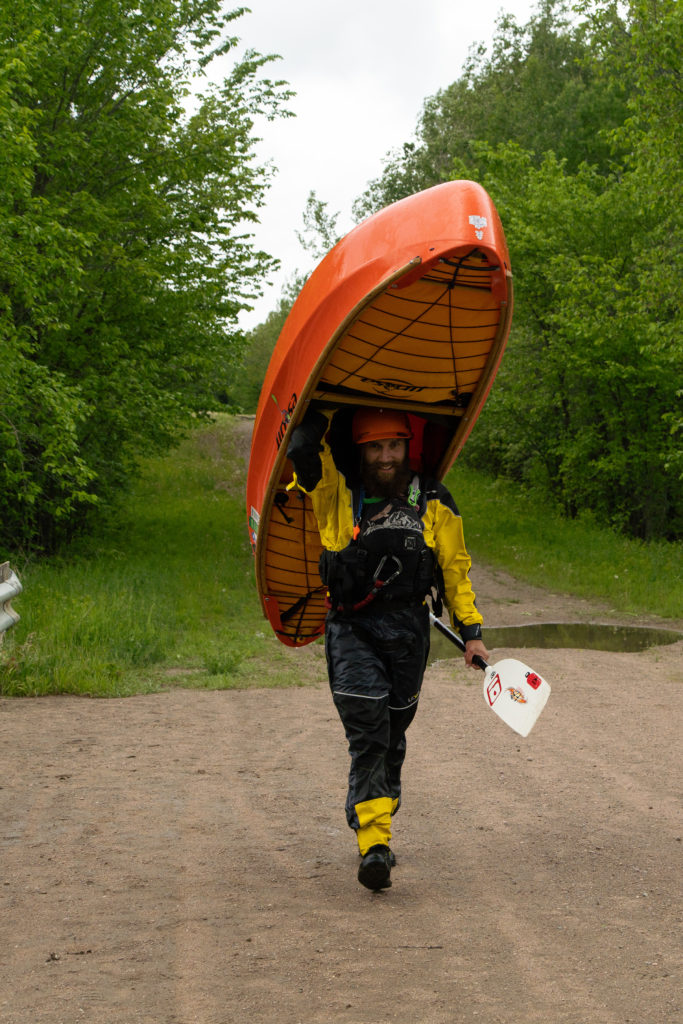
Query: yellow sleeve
[444,533]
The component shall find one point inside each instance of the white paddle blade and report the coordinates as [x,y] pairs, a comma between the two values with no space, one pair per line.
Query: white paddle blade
[516,693]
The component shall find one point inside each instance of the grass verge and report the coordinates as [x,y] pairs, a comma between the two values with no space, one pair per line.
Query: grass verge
[165,596]
[511,529]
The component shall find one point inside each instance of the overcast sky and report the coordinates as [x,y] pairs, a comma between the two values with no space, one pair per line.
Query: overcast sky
[361,70]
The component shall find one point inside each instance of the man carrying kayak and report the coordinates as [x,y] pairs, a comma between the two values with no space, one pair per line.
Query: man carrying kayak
[389,535]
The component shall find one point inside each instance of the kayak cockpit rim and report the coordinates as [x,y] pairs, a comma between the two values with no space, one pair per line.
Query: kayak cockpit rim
[303,402]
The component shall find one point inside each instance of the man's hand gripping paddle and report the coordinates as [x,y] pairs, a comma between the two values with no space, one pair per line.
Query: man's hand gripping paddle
[513,690]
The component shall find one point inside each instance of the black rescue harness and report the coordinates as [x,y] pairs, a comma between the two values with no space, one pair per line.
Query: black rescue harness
[387,557]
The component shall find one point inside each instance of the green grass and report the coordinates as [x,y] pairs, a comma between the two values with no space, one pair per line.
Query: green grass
[515,530]
[166,596]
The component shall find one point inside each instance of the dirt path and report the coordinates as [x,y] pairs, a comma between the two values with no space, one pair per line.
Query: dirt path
[184,858]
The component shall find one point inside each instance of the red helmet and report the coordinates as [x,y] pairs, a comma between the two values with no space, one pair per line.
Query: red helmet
[379,425]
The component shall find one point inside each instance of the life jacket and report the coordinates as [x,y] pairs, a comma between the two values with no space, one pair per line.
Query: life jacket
[387,560]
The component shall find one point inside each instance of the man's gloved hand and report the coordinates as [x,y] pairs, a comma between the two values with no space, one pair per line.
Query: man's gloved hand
[312,428]
[305,447]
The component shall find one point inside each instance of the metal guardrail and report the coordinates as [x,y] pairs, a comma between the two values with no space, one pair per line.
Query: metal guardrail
[9,588]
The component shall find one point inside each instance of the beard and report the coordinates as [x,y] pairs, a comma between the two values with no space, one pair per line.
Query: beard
[377,485]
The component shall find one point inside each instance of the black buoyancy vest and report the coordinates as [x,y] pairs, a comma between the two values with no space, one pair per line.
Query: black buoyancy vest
[387,558]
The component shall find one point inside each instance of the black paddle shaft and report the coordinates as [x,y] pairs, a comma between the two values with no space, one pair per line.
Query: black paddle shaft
[455,639]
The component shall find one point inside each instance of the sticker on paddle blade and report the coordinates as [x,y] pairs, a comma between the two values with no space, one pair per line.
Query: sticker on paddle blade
[516,693]
[493,689]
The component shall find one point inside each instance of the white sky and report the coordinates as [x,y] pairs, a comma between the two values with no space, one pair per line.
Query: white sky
[361,70]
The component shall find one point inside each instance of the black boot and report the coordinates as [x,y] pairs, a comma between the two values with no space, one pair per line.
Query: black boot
[374,871]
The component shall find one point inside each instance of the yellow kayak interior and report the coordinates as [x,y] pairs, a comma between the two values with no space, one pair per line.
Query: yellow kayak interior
[427,344]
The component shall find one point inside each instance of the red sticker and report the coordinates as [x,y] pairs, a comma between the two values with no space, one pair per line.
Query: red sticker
[533,680]
[494,689]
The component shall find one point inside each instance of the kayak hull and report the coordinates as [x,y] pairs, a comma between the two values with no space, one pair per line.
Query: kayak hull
[411,310]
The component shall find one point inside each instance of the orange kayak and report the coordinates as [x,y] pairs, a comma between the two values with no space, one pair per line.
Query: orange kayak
[410,310]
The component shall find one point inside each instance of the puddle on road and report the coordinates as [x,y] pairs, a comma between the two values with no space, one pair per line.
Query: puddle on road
[586,636]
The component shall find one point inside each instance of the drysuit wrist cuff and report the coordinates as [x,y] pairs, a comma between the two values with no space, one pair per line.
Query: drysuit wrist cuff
[471,632]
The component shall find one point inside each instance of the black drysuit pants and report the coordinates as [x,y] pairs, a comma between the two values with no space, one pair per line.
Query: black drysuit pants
[376,664]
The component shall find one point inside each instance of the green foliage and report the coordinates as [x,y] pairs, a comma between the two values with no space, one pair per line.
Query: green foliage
[162,596]
[243,393]
[43,478]
[584,393]
[320,228]
[124,257]
[517,529]
[654,136]
[574,126]
[318,236]
[535,87]
[587,403]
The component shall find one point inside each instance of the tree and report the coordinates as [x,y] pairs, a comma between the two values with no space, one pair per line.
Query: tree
[588,402]
[573,124]
[245,389]
[318,236]
[320,228]
[125,253]
[535,88]
[653,138]
[580,406]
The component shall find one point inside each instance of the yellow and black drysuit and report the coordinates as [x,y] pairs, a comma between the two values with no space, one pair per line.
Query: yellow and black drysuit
[379,561]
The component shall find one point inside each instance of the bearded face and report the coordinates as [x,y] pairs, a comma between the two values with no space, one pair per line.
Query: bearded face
[385,469]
